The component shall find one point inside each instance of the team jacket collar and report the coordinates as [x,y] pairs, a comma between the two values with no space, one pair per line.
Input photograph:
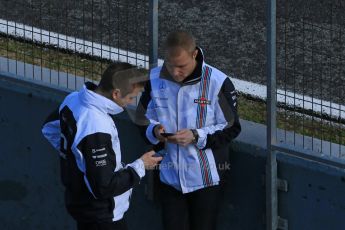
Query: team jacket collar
[193,77]
[92,99]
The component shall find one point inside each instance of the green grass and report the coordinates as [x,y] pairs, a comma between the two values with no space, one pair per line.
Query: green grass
[290,120]
[52,58]
[249,109]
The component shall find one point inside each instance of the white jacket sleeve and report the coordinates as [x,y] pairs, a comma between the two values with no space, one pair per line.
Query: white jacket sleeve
[51,129]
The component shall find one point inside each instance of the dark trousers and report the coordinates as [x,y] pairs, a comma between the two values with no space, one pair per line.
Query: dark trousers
[192,211]
[117,225]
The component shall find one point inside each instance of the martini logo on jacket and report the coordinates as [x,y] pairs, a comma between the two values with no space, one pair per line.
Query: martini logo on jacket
[202,101]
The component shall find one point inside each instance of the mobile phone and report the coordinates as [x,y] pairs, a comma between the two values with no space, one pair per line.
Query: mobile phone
[167,134]
[159,154]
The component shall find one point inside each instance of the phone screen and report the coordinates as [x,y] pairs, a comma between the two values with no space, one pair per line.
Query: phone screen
[167,134]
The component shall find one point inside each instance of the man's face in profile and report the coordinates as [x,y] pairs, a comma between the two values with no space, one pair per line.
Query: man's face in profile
[129,98]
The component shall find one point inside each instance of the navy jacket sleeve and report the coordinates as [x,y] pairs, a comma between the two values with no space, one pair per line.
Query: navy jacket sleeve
[140,119]
[228,103]
[100,164]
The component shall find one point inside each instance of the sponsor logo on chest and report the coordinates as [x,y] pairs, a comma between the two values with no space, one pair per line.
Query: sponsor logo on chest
[101,163]
[202,101]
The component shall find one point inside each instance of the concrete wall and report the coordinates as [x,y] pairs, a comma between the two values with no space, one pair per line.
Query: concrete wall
[31,195]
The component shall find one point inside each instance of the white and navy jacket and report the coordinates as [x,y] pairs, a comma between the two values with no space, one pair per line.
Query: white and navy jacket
[205,101]
[98,187]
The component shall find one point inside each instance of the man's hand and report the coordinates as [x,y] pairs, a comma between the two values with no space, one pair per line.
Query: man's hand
[149,160]
[183,137]
[158,130]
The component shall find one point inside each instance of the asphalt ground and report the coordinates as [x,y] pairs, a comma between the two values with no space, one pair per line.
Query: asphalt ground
[232,33]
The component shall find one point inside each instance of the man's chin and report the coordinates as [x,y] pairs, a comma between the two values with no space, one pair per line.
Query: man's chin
[179,79]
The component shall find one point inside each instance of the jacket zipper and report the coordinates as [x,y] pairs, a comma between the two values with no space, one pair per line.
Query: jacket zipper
[178,147]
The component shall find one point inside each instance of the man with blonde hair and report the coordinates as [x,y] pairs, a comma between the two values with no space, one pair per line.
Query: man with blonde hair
[190,107]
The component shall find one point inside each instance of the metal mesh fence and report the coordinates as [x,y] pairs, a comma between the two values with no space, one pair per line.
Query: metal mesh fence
[311,75]
[66,42]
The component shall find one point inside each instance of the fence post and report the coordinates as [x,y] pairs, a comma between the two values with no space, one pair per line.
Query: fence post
[153,62]
[153,33]
[271,163]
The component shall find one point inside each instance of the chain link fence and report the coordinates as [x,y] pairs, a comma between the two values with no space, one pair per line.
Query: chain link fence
[311,75]
[68,42]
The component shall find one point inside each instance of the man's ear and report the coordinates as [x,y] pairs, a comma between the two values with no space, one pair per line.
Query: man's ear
[195,53]
[116,94]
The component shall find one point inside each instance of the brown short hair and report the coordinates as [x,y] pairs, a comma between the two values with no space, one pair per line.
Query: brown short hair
[123,76]
[182,39]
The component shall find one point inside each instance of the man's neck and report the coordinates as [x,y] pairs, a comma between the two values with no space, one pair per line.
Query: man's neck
[99,91]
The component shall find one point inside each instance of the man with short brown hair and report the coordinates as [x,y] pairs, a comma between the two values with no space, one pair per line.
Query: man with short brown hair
[98,186]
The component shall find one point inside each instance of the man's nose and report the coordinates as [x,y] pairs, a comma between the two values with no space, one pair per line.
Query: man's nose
[176,72]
